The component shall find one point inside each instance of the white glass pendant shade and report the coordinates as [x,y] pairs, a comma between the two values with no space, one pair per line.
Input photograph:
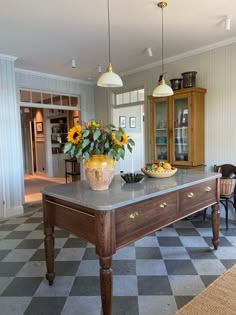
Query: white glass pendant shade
[109,79]
[162,90]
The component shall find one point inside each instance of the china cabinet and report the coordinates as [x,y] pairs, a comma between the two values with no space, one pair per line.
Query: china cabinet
[177,127]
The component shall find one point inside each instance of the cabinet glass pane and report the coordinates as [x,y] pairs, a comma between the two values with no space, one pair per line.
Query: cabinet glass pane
[161,151]
[181,149]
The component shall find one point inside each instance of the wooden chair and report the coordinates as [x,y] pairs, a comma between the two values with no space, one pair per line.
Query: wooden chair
[228,172]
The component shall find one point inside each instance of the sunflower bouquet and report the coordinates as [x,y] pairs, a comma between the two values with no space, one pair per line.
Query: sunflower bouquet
[94,137]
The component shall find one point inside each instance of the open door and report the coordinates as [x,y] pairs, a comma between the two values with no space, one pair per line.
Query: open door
[28,147]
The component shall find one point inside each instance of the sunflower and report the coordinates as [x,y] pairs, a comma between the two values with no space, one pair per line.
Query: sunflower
[123,138]
[75,134]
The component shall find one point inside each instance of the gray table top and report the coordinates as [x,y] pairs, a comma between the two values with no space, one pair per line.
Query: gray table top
[121,194]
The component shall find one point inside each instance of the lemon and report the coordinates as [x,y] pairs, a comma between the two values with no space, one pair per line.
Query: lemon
[160,169]
[167,166]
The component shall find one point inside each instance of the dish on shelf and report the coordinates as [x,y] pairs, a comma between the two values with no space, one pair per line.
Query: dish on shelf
[163,174]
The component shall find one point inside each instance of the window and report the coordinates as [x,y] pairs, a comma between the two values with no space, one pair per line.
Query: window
[130,97]
[40,97]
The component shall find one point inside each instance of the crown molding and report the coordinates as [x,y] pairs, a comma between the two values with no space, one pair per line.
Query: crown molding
[8,57]
[181,56]
[51,76]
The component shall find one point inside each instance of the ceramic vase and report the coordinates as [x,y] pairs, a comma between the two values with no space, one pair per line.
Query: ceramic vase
[99,171]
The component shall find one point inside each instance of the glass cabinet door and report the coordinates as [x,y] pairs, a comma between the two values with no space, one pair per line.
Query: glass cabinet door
[161,127]
[181,129]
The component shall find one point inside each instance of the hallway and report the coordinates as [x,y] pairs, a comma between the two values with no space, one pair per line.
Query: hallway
[34,183]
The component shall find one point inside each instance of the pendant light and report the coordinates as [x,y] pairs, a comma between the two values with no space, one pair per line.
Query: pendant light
[109,78]
[162,89]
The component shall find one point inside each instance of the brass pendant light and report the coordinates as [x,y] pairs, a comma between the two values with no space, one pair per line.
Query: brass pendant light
[109,78]
[162,89]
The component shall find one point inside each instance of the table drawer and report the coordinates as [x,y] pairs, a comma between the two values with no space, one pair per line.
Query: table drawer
[144,217]
[198,196]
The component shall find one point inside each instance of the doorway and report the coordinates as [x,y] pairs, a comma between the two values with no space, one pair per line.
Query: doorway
[133,122]
[28,140]
[34,157]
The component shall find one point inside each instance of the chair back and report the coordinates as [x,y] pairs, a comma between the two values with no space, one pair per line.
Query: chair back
[227,170]
[227,181]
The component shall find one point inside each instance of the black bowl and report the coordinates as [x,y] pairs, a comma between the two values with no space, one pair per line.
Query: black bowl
[132,177]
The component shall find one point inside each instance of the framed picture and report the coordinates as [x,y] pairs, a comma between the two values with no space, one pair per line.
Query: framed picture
[76,120]
[122,121]
[132,122]
[39,127]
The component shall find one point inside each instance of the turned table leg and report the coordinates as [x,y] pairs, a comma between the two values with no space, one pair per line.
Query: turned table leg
[215,218]
[106,284]
[49,254]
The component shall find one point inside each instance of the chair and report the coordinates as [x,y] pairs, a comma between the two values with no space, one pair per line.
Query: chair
[227,194]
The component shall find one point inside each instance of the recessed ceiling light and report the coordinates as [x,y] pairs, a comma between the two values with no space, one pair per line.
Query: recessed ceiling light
[227,23]
[73,63]
[149,51]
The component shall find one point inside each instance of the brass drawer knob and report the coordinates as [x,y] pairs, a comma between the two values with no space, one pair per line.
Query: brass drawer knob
[163,205]
[191,195]
[133,215]
[208,189]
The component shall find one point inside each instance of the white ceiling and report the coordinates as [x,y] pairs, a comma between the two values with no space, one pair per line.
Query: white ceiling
[46,35]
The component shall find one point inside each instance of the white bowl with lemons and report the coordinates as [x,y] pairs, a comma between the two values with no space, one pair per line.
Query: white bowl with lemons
[159,170]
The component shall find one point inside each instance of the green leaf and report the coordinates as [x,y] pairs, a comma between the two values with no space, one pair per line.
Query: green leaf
[131,141]
[85,133]
[67,147]
[73,151]
[85,143]
[96,135]
[121,153]
[129,148]
[86,155]
[118,135]
[107,145]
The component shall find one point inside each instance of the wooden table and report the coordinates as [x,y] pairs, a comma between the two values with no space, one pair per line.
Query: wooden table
[125,213]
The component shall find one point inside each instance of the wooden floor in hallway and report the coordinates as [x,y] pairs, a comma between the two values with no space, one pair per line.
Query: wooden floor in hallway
[35,183]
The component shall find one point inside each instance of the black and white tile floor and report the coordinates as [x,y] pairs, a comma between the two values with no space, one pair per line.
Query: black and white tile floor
[153,276]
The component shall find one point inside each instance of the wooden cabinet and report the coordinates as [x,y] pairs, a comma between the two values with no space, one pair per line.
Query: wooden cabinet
[177,127]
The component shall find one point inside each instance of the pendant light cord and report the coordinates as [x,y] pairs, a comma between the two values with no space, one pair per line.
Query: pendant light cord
[109,35]
[162,35]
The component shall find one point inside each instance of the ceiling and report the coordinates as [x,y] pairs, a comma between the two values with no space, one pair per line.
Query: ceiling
[46,35]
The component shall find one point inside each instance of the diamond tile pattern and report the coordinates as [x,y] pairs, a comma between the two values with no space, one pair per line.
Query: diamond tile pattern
[157,274]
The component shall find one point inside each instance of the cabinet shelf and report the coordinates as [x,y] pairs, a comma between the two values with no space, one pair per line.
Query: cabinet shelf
[180,128]
[179,144]
[58,134]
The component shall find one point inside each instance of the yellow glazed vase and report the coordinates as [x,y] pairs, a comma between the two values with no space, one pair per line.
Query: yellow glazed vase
[99,171]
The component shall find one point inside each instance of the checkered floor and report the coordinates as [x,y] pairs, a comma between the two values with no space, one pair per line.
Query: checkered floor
[153,276]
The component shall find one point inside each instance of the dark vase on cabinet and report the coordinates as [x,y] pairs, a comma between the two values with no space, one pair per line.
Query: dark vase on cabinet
[180,139]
